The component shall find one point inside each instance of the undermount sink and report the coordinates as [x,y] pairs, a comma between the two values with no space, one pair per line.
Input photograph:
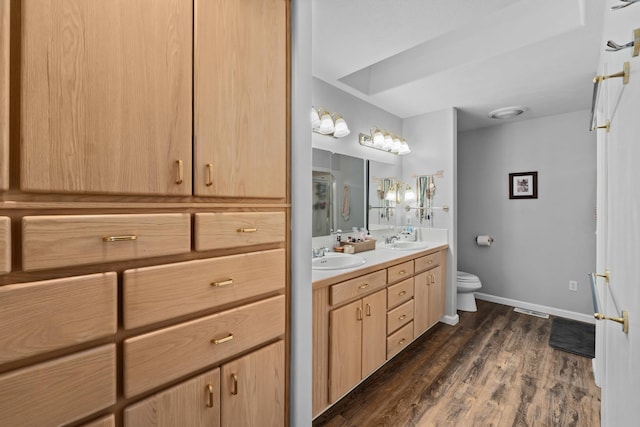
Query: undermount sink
[407,246]
[336,261]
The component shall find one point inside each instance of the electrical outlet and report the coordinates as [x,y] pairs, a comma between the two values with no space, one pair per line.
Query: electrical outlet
[573,285]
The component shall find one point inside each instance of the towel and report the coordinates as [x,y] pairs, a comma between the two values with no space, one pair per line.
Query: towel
[346,196]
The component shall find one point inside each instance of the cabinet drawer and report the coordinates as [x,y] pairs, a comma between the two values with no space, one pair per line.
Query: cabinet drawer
[5,245]
[42,316]
[152,294]
[428,261]
[360,285]
[400,316]
[108,421]
[64,240]
[400,271]
[161,356]
[399,293]
[195,402]
[60,391]
[399,340]
[233,229]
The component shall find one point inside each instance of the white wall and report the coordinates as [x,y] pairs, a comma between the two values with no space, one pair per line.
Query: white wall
[540,244]
[432,138]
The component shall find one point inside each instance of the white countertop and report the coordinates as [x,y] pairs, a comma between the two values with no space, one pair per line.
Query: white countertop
[380,255]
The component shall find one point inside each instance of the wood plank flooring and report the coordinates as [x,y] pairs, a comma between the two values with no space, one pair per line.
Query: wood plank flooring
[494,368]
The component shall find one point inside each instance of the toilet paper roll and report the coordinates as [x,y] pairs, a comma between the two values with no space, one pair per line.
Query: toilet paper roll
[484,240]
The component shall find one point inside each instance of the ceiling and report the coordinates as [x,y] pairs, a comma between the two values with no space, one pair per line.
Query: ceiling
[411,57]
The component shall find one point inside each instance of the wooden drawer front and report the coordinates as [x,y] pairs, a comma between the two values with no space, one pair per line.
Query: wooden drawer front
[64,240]
[233,229]
[399,340]
[108,421]
[399,293]
[346,290]
[5,245]
[427,262]
[399,316]
[400,271]
[193,403]
[60,391]
[152,294]
[42,316]
[161,356]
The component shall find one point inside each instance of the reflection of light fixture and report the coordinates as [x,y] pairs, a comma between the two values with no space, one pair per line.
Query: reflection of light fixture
[324,123]
[507,112]
[341,128]
[391,194]
[409,194]
[385,141]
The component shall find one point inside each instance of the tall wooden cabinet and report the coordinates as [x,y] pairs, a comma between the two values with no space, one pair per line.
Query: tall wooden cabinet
[144,216]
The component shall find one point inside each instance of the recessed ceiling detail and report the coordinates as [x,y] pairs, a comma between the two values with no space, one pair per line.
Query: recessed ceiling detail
[507,112]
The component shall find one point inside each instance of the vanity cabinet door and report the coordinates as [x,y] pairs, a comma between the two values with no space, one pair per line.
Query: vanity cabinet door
[436,295]
[429,296]
[345,349]
[252,389]
[106,96]
[374,332]
[240,98]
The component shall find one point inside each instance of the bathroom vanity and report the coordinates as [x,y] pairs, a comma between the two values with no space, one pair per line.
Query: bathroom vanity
[364,316]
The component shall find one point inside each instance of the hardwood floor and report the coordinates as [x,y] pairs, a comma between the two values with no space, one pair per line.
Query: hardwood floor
[494,368]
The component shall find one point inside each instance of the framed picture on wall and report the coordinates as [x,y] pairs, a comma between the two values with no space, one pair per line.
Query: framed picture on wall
[523,185]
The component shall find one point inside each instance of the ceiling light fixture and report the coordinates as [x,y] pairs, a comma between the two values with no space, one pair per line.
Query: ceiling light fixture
[385,141]
[507,112]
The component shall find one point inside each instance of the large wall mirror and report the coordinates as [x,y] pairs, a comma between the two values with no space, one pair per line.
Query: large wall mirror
[338,192]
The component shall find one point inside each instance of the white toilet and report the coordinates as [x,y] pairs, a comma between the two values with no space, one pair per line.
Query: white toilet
[467,284]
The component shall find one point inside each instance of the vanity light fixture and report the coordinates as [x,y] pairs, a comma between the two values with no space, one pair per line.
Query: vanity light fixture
[507,112]
[409,194]
[324,123]
[385,141]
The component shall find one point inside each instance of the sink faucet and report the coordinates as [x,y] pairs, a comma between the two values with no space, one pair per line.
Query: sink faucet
[390,239]
[320,252]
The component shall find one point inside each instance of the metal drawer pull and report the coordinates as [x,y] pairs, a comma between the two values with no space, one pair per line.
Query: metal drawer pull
[433,278]
[222,283]
[209,175]
[180,176]
[404,316]
[247,230]
[209,396]
[368,310]
[430,261]
[234,384]
[363,286]
[402,341]
[222,340]
[119,238]
[402,293]
[358,313]
[402,272]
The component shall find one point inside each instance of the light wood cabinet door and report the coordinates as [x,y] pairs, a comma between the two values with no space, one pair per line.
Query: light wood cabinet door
[429,296]
[193,403]
[374,332]
[240,98]
[253,389]
[436,295]
[421,319]
[106,96]
[5,245]
[345,349]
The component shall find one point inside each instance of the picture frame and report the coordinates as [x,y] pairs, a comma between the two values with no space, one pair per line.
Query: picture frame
[523,185]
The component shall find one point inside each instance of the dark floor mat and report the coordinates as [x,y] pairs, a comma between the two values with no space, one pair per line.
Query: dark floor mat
[573,336]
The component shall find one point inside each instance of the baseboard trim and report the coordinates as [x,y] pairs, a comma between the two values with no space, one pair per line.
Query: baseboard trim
[450,320]
[581,317]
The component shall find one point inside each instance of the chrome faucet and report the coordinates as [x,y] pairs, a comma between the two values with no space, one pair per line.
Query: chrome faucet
[390,239]
[320,252]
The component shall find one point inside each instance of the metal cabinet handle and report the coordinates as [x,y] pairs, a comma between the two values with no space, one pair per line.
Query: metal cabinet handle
[401,293]
[234,384]
[368,310]
[404,316]
[180,176]
[363,286]
[402,341]
[209,396]
[209,182]
[222,283]
[222,340]
[402,272]
[430,261]
[433,278]
[358,313]
[119,238]
[247,230]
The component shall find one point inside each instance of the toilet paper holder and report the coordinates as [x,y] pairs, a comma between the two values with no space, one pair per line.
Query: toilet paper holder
[490,240]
